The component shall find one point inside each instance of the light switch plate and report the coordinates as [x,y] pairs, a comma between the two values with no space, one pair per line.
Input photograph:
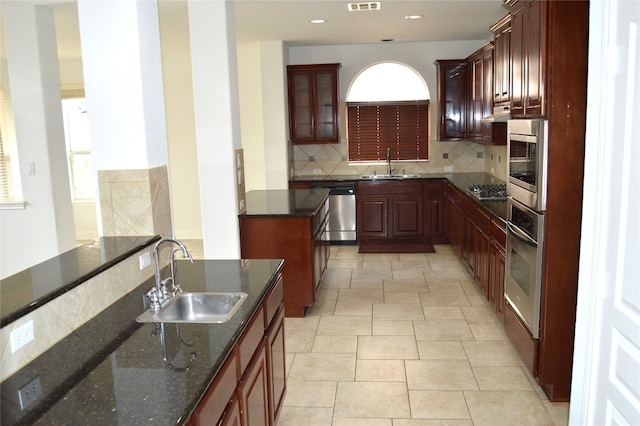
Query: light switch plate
[145,260]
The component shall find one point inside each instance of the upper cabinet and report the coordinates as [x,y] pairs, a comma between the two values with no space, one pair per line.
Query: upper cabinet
[501,60]
[481,94]
[528,55]
[465,96]
[452,95]
[313,103]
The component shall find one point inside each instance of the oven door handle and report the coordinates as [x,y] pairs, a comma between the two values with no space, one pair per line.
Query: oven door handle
[521,236]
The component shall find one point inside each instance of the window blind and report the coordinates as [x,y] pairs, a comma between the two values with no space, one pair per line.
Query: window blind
[400,126]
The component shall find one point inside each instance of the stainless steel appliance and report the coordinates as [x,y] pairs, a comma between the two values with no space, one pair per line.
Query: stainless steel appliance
[527,167]
[342,213]
[494,192]
[524,263]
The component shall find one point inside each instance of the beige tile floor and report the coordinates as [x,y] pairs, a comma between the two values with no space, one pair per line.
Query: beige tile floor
[405,340]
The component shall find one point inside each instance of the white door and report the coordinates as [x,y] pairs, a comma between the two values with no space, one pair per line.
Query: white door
[606,370]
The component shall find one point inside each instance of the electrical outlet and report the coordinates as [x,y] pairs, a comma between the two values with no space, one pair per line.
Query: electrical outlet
[145,260]
[448,168]
[21,336]
[30,393]
[317,171]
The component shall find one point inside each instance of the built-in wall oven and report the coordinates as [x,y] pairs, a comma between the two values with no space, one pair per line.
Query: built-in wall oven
[526,202]
[524,263]
[527,167]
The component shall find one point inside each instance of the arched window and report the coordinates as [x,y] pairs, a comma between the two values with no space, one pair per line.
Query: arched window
[388,114]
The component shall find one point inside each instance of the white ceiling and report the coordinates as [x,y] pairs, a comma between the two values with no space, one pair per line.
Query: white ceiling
[288,20]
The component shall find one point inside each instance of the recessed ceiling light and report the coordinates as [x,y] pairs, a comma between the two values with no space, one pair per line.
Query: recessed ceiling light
[414,17]
[318,21]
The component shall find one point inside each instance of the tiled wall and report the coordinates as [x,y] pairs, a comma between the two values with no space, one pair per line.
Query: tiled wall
[331,159]
[135,202]
[60,317]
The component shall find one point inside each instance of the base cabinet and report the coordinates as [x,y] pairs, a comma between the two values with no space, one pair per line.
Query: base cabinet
[253,391]
[479,240]
[249,388]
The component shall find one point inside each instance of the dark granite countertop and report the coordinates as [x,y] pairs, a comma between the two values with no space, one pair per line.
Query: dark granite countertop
[285,202]
[27,290]
[111,370]
[461,180]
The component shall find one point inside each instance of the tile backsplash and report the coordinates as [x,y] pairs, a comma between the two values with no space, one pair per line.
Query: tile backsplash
[461,157]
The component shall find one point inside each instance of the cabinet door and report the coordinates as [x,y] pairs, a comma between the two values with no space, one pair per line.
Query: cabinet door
[517,60]
[452,98]
[481,271]
[408,216]
[502,59]
[434,214]
[487,95]
[232,415]
[326,106]
[301,106]
[372,216]
[476,100]
[277,365]
[496,279]
[253,391]
[534,58]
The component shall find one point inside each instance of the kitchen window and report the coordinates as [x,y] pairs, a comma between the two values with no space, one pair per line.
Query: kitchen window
[9,173]
[388,109]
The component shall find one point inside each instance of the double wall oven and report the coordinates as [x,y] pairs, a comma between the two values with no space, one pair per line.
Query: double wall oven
[526,199]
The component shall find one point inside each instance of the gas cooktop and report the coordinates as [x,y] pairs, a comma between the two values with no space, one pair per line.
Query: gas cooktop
[489,192]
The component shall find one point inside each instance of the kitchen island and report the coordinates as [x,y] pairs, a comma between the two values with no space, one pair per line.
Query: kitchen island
[114,370]
[290,225]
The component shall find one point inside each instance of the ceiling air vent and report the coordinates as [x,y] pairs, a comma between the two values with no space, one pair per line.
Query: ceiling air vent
[370,5]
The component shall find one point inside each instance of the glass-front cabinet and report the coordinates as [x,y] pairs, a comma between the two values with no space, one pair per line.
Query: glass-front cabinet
[313,103]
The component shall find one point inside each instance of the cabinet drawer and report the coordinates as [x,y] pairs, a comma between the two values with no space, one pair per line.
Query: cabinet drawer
[273,302]
[483,220]
[250,339]
[499,233]
[378,188]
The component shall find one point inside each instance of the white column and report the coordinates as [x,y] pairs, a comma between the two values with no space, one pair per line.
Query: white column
[274,92]
[122,65]
[215,92]
[44,228]
[123,83]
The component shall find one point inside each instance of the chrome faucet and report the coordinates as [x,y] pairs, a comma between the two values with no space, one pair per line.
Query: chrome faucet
[159,294]
[389,168]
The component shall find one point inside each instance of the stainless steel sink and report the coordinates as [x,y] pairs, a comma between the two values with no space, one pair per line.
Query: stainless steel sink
[197,308]
[391,176]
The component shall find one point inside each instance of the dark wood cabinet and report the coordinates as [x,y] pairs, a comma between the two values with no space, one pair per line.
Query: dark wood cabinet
[372,216]
[434,211]
[408,213]
[479,240]
[276,363]
[481,94]
[465,96]
[528,58]
[313,103]
[502,60]
[249,388]
[452,99]
[301,241]
[253,391]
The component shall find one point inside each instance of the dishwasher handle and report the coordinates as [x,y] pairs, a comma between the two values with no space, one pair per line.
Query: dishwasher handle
[338,190]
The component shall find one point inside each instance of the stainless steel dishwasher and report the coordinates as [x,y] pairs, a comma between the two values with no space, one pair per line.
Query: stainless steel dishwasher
[342,213]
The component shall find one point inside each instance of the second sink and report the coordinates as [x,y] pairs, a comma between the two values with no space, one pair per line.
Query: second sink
[197,308]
